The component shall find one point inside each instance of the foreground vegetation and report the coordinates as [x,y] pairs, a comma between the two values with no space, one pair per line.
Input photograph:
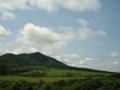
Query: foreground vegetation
[109,83]
[57,79]
[43,78]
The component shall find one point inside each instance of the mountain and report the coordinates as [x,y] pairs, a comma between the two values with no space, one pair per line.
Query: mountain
[33,59]
[36,59]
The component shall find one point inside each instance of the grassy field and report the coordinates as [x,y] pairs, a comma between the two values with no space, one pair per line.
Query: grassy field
[73,73]
[34,79]
[37,73]
[52,75]
[64,73]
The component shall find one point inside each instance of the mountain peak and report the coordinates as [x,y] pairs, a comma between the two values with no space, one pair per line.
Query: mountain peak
[8,54]
[32,59]
[35,59]
[37,53]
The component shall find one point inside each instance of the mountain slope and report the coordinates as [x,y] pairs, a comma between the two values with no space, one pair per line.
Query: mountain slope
[36,59]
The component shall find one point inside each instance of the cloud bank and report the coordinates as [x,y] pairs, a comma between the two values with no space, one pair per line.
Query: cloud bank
[75,5]
[8,6]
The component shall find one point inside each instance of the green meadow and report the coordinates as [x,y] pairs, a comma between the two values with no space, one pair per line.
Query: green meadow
[35,74]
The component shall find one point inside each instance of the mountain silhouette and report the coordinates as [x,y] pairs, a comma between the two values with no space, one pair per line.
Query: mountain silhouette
[36,59]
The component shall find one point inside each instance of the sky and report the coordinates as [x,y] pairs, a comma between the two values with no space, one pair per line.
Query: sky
[81,33]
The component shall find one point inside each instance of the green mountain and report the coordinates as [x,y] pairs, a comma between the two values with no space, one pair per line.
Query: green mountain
[36,59]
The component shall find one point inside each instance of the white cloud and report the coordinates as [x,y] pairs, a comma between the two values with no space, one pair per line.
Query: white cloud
[75,5]
[3,47]
[83,22]
[108,66]
[101,33]
[6,15]
[81,5]
[44,37]
[24,49]
[3,31]
[115,54]
[115,62]
[85,61]
[3,51]
[73,59]
[51,5]
[7,6]
[86,32]
[12,4]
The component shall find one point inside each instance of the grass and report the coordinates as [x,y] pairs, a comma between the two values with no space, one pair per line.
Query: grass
[66,73]
[51,74]
[33,79]
[58,72]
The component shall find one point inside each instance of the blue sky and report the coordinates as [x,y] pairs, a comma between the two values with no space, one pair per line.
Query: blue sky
[82,33]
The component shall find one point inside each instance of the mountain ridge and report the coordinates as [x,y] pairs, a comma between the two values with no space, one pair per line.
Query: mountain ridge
[37,59]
